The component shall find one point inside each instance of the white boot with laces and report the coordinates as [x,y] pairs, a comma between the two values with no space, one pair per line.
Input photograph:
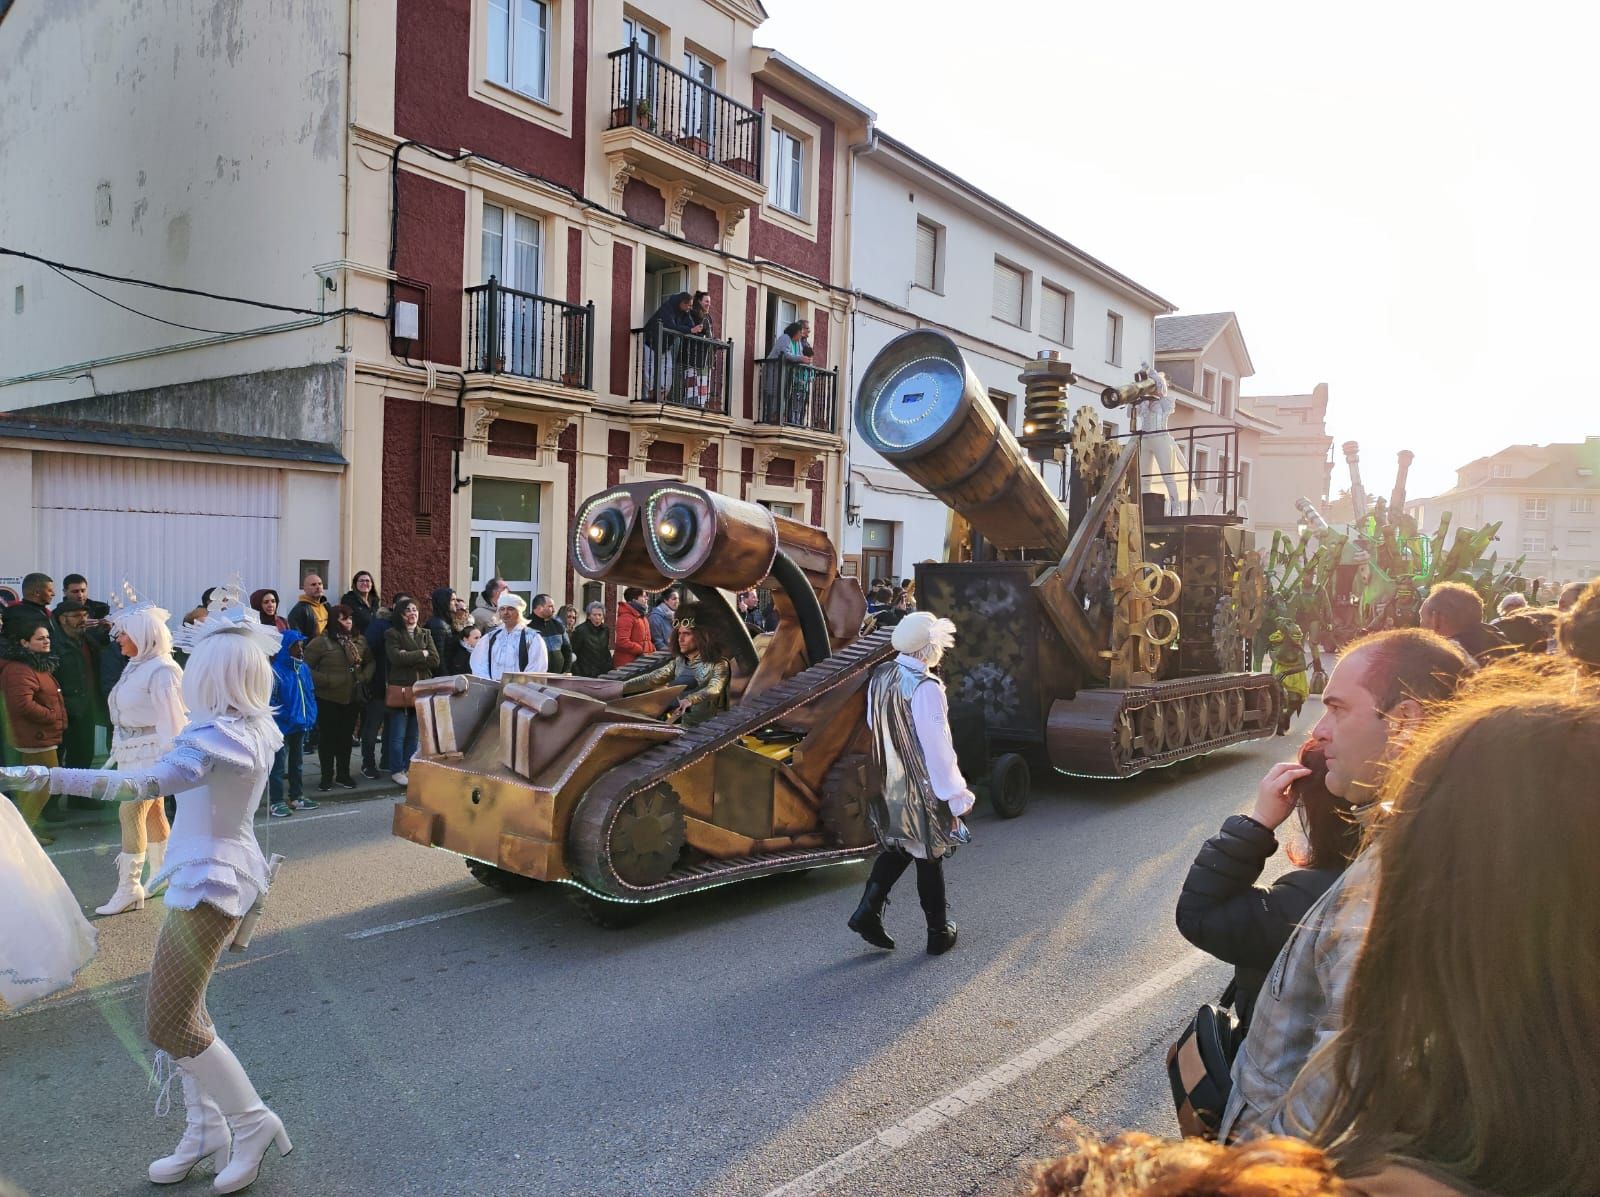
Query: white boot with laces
[156,855]
[254,1127]
[205,1133]
[130,894]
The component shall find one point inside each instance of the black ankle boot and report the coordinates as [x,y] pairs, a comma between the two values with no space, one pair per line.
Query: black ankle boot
[867,921]
[941,937]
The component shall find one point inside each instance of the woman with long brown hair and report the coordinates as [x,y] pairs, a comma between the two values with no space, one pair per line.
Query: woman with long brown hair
[1223,912]
[1471,1038]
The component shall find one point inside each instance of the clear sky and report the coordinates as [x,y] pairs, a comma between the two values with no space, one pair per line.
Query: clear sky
[1397,199]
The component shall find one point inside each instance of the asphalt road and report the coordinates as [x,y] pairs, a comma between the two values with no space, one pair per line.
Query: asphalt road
[420,1034]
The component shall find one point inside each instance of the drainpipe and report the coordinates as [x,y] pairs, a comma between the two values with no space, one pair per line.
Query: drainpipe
[847,401]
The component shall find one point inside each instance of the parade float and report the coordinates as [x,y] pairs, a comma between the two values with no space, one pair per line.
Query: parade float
[1102,637]
[1332,584]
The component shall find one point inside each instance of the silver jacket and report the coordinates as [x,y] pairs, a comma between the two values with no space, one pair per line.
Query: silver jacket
[905,812]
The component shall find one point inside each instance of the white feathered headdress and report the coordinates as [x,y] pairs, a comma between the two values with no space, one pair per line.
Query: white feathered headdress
[228,611]
[125,602]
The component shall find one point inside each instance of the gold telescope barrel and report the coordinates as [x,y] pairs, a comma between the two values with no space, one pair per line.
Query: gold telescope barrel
[924,410]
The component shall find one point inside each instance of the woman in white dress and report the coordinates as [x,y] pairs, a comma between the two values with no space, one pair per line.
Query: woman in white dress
[147,713]
[44,938]
[215,873]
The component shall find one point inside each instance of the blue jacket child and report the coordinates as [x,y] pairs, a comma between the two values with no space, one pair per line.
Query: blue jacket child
[294,700]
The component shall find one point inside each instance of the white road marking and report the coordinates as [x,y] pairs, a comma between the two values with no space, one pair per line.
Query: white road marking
[297,819]
[946,1110]
[428,918]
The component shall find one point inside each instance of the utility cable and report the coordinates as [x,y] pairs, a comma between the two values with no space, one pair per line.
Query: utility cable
[158,319]
[168,287]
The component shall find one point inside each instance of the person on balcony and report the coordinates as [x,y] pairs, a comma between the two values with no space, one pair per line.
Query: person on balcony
[788,386]
[697,368]
[673,319]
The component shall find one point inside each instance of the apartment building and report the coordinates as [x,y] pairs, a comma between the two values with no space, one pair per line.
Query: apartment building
[931,250]
[492,197]
[1544,498]
[1253,456]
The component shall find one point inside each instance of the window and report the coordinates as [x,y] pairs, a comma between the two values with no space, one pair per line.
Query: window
[1002,406]
[926,273]
[511,253]
[1225,397]
[787,187]
[1055,314]
[1500,470]
[699,105]
[1208,385]
[1578,538]
[519,46]
[781,313]
[1533,542]
[1008,288]
[1244,479]
[1579,506]
[1114,338]
[1202,479]
[1535,509]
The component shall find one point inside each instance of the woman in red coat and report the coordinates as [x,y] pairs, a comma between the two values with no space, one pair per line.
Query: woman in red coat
[35,713]
[633,628]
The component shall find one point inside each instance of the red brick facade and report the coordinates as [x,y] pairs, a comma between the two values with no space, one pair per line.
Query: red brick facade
[432,227]
[778,243]
[416,482]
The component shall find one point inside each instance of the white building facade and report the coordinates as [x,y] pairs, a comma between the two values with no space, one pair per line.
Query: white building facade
[929,250]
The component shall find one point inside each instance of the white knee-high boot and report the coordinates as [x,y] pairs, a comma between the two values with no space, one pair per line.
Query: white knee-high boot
[155,854]
[205,1136]
[254,1126]
[130,894]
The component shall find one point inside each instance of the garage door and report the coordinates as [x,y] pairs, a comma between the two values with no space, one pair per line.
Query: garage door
[171,527]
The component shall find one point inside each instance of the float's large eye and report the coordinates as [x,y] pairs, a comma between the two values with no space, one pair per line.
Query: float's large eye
[606,533]
[675,531]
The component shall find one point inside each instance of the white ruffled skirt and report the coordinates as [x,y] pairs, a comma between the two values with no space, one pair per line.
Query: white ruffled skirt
[44,938]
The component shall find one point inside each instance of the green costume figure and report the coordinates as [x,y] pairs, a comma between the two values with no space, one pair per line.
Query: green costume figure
[700,667]
[1289,667]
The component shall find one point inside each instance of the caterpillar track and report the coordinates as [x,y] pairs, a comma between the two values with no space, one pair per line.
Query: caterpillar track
[1120,733]
[596,819]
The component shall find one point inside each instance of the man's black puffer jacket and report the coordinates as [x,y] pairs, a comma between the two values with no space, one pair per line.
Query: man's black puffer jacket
[1224,912]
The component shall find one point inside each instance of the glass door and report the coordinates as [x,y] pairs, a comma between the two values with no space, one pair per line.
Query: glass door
[513,252]
[698,111]
[505,535]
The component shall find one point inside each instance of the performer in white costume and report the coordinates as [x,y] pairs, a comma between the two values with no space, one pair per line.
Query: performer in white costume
[44,938]
[147,713]
[215,872]
[1161,463]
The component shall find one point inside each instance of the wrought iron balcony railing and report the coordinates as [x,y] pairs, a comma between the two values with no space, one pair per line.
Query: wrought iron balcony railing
[513,332]
[649,94]
[681,370]
[798,395]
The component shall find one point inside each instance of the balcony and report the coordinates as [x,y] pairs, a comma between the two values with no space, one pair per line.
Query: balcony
[680,371]
[530,336]
[797,395]
[678,128]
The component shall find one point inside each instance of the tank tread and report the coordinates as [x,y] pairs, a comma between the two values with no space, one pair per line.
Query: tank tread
[590,835]
[638,667]
[1093,736]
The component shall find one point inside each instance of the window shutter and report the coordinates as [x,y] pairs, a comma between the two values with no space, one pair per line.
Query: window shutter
[1007,293]
[1053,315]
[927,251]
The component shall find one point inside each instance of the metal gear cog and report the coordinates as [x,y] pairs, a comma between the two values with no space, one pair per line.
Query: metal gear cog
[1250,593]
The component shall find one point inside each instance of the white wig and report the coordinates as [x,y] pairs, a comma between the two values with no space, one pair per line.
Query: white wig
[925,636]
[228,676]
[147,628]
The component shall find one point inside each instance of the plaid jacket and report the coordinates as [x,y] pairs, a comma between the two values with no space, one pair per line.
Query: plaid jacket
[1298,1011]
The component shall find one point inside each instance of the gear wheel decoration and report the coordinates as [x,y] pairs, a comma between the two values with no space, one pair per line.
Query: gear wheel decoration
[1250,593]
[1087,433]
[1226,633]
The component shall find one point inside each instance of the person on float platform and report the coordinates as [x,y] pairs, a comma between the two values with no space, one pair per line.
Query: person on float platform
[916,813]
[215,874]
[513,647]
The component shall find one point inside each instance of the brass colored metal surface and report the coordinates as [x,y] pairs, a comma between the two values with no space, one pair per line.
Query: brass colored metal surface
[744,787]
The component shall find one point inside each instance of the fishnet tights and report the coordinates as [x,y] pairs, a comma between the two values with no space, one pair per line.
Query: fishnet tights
[176,1019]
[141,823]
